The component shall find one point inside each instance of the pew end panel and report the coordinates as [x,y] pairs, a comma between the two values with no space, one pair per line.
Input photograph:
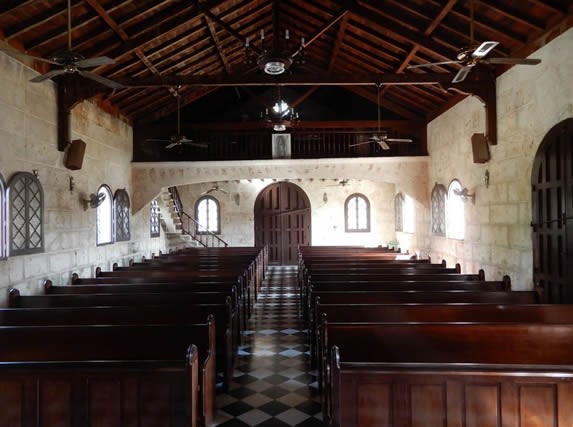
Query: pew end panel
[368,395]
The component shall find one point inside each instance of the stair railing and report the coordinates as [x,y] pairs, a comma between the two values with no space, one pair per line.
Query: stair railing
[191,227]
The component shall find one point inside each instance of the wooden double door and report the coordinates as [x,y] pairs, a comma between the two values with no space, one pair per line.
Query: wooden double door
[552,216]
[282,221]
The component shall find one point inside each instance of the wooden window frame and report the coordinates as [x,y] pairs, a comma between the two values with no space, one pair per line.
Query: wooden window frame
[111,216]
[438,210]
[121,215]
[357,196]
[154,219]
[199,200]
[12,212]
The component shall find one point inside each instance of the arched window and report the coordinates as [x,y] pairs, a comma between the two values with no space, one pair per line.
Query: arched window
[104,217]
[155,230]
[26,214]
[357,213]
[208,215]
[121,211]
[439,210]
[3,229]
[398,209]
[455,219]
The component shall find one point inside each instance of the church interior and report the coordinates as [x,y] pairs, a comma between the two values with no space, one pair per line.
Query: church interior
[274,134]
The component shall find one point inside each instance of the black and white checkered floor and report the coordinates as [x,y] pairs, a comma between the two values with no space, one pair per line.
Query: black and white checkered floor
[272,385]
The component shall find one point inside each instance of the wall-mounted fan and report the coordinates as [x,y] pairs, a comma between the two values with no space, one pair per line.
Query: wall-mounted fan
[475,54]
[95,200]
[71,62]
[381,138]
[214,188]
[340,183]
[178,139]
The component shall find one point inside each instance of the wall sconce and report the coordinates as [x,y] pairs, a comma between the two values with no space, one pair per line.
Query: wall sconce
[237,198]
[72,183]
[465,195]
[35,172]
[325,198]
[486,178]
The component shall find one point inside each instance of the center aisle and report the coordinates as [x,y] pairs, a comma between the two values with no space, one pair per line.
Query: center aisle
[272,386]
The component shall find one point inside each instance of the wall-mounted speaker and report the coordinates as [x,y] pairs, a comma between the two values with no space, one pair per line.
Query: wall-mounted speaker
[480,148]
[75,154]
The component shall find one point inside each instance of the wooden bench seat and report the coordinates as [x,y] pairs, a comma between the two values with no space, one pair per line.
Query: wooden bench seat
[485,374]
[62,372]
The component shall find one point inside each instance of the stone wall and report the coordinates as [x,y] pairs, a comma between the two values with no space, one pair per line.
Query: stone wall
[28,141]
[327,212]
[530,101]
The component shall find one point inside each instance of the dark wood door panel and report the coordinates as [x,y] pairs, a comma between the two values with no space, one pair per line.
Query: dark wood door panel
[282,221]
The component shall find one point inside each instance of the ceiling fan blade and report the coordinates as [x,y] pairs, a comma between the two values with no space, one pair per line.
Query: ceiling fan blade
[173,144]
[47,76]
[16,53]
[359,143]
[431,64]
[100,79]
[484,48]
[398,140]
[520,61]
[157,140]
[94,62]
[462,74]
[194,144]
[382,144]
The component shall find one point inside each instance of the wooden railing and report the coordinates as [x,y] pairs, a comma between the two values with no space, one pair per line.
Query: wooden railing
[191,227]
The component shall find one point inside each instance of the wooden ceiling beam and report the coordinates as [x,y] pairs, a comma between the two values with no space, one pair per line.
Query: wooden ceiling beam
[222,57]
[304,96]
[391,30]
[108,19]
[549,6]
[289,80]
[338,42]
[37,21]
[429,30]
[317,34]
[239,37]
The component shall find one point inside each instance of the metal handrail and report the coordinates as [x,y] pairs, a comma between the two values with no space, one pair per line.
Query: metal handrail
[193,228]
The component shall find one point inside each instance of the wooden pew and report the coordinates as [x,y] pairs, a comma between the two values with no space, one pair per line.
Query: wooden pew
[77,375]
[450,374]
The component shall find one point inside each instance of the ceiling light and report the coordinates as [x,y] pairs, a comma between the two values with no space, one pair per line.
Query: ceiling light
[278,58]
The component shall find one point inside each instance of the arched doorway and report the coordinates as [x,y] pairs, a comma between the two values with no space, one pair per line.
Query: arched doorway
[282,221]
[552,204]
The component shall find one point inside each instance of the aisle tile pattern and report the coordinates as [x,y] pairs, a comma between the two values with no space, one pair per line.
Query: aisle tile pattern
[272,386]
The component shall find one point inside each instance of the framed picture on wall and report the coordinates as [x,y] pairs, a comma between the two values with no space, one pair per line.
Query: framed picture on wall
[281,145]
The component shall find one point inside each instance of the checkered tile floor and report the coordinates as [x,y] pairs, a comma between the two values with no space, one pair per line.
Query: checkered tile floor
[272,386]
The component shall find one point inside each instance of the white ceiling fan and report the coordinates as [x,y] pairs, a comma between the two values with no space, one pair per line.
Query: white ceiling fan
[178,139]
[213,189]
[71,62]
[381,138]
[475,54]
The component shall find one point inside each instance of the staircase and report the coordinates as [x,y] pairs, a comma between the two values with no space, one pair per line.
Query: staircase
[180,227]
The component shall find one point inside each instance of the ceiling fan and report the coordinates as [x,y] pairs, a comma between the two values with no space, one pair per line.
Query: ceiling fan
[380,138]
[71,62]
[214,188]
[476,54]
[178,139]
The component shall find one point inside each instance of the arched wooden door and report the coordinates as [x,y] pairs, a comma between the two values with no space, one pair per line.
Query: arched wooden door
[552,203]
[282,221]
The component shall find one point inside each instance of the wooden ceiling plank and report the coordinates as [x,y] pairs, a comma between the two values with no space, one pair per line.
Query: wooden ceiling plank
[320,32]
[37,21]
[108,19]
[227,28]
[10,5]
[513,15]
[163,24]
[216,42]
[391,30]
[549,6]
